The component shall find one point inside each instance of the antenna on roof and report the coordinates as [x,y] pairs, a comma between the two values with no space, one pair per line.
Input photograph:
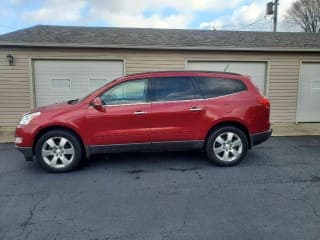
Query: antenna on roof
[226,67]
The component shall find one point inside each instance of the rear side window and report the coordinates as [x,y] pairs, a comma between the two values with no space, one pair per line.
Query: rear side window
[172,89]
[215,87]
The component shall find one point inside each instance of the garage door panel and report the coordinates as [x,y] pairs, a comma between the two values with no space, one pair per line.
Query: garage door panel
[257,70]
[79,73]
[309,93]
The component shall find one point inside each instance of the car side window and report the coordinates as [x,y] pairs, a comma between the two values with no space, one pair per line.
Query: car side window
[215,87]
[172,89]
[130,92]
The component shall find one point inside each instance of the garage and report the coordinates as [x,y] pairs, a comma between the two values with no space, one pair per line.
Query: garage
[60,80]
[39,68]
[257,70]
[309,93]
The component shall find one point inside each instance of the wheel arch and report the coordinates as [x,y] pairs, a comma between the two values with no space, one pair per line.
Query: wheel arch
[63,128]
[232,123]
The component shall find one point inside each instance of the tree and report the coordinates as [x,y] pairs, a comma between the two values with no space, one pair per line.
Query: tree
[306,14]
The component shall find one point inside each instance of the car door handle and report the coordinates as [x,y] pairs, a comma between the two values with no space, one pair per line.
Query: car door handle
[196,109]
[139,113]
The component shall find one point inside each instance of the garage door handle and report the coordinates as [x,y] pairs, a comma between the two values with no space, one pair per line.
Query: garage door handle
[139,113]
[195,109]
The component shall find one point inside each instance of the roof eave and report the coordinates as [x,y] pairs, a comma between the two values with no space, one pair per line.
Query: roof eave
[157,47]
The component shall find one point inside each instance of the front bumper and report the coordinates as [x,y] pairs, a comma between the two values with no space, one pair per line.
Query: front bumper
[258,138]
[26,133]
[26,151]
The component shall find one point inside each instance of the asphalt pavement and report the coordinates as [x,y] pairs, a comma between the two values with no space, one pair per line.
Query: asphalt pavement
[273,194]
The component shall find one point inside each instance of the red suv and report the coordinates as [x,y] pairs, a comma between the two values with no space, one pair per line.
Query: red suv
[222,113]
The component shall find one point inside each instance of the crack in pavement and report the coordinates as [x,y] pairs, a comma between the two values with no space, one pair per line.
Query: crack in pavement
[313,179]
[184,169]
[199,175]
[313,208]
[28,222]
[264,182]
[186,212]
[135,171]
[310,205]
[19,194]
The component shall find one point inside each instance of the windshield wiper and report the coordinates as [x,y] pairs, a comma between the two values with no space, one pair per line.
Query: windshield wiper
[73,101]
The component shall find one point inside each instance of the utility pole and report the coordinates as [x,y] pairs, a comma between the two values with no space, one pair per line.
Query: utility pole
[272,9]
[275,15]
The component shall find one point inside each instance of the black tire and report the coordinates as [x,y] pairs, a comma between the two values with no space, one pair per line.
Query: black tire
[235,153]
[72,143]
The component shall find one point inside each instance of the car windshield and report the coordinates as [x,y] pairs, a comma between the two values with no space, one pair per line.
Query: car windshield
[74,101]
[85,96]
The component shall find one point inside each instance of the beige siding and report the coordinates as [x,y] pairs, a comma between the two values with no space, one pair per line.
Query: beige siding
[16,97]
[14,90]
[283,88]
[153,62]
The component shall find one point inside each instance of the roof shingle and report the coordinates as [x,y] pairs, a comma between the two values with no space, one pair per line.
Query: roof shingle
[146,38]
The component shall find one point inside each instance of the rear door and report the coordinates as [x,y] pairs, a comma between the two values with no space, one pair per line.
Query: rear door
[177,110]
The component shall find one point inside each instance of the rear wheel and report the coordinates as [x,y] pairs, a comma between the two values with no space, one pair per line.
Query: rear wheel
[226,146]
[58,151]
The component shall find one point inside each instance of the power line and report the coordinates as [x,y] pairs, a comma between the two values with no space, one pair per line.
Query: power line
[245,26]
[255,22]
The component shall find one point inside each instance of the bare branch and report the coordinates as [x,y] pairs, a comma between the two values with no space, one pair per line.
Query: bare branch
[306,14]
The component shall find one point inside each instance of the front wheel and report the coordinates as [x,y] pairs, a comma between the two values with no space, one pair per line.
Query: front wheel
[58,151]
[226,146]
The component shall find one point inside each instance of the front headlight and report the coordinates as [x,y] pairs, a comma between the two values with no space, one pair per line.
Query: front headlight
[26,119]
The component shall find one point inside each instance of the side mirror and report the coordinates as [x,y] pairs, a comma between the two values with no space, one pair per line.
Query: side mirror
[97,104]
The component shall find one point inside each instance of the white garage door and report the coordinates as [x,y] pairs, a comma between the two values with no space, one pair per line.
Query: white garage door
[60,80]
[309,93]
[257,70]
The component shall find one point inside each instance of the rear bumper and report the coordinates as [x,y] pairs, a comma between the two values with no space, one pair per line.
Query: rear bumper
[260,137]
[27,152]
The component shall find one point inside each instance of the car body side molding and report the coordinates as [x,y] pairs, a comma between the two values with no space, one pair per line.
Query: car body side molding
[147,147]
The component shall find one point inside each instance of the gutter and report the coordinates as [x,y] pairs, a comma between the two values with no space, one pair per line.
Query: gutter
[157,47]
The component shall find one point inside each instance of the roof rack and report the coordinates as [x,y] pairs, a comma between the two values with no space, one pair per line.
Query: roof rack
[177,71]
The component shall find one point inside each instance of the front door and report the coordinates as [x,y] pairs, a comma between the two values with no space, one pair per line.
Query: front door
[126,116]
[177,110]
[309,93]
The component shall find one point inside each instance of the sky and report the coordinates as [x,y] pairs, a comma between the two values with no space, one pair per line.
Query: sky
[189,14]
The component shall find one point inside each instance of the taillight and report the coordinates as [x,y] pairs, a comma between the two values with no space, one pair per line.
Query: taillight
[264,101]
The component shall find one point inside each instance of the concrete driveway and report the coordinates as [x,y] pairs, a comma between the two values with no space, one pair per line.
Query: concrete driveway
[273,194]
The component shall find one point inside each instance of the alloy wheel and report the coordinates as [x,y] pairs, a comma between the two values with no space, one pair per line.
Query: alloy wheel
[58,152]
[228,146]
